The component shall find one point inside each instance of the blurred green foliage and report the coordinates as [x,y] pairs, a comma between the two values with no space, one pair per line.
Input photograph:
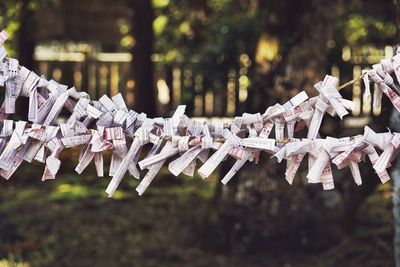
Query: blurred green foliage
[9,22]
[367,22]
[210,33]
[10,16]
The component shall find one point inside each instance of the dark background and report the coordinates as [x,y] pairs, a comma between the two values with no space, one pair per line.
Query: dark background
[221,58]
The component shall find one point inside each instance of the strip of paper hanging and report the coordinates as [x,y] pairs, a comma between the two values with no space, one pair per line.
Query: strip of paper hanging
[107,124]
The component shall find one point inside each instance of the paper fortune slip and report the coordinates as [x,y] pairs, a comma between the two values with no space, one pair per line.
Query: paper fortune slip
[96,126]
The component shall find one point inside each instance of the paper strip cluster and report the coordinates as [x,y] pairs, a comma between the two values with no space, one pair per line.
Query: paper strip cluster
[107,124]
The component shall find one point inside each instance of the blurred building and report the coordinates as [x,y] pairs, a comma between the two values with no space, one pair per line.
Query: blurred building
[81,42]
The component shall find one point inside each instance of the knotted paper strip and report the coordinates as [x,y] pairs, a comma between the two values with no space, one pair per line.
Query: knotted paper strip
[107,124]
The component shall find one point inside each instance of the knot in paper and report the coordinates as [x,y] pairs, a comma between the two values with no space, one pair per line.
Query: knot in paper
[183,144]
[374,77]
[327,89]
[120,117]
[143,135]
[272,112]
[248,118]
[387,65]
[3,37]
[231,138]
[97,140]
[80,107]
[321,105]
[30,84]
[387,78]
[206,142]
[396,141]
[380,140]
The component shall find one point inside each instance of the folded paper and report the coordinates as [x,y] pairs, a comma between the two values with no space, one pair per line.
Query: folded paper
[108,125]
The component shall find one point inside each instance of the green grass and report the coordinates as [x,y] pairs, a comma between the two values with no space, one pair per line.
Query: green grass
[71,222]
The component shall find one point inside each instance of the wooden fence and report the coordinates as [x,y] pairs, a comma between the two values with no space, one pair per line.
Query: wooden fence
[108,73]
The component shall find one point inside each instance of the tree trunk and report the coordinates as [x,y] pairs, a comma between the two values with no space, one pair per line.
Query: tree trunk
[258,205]
[26,47]
[302,43]
[26,38]
[142,66]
